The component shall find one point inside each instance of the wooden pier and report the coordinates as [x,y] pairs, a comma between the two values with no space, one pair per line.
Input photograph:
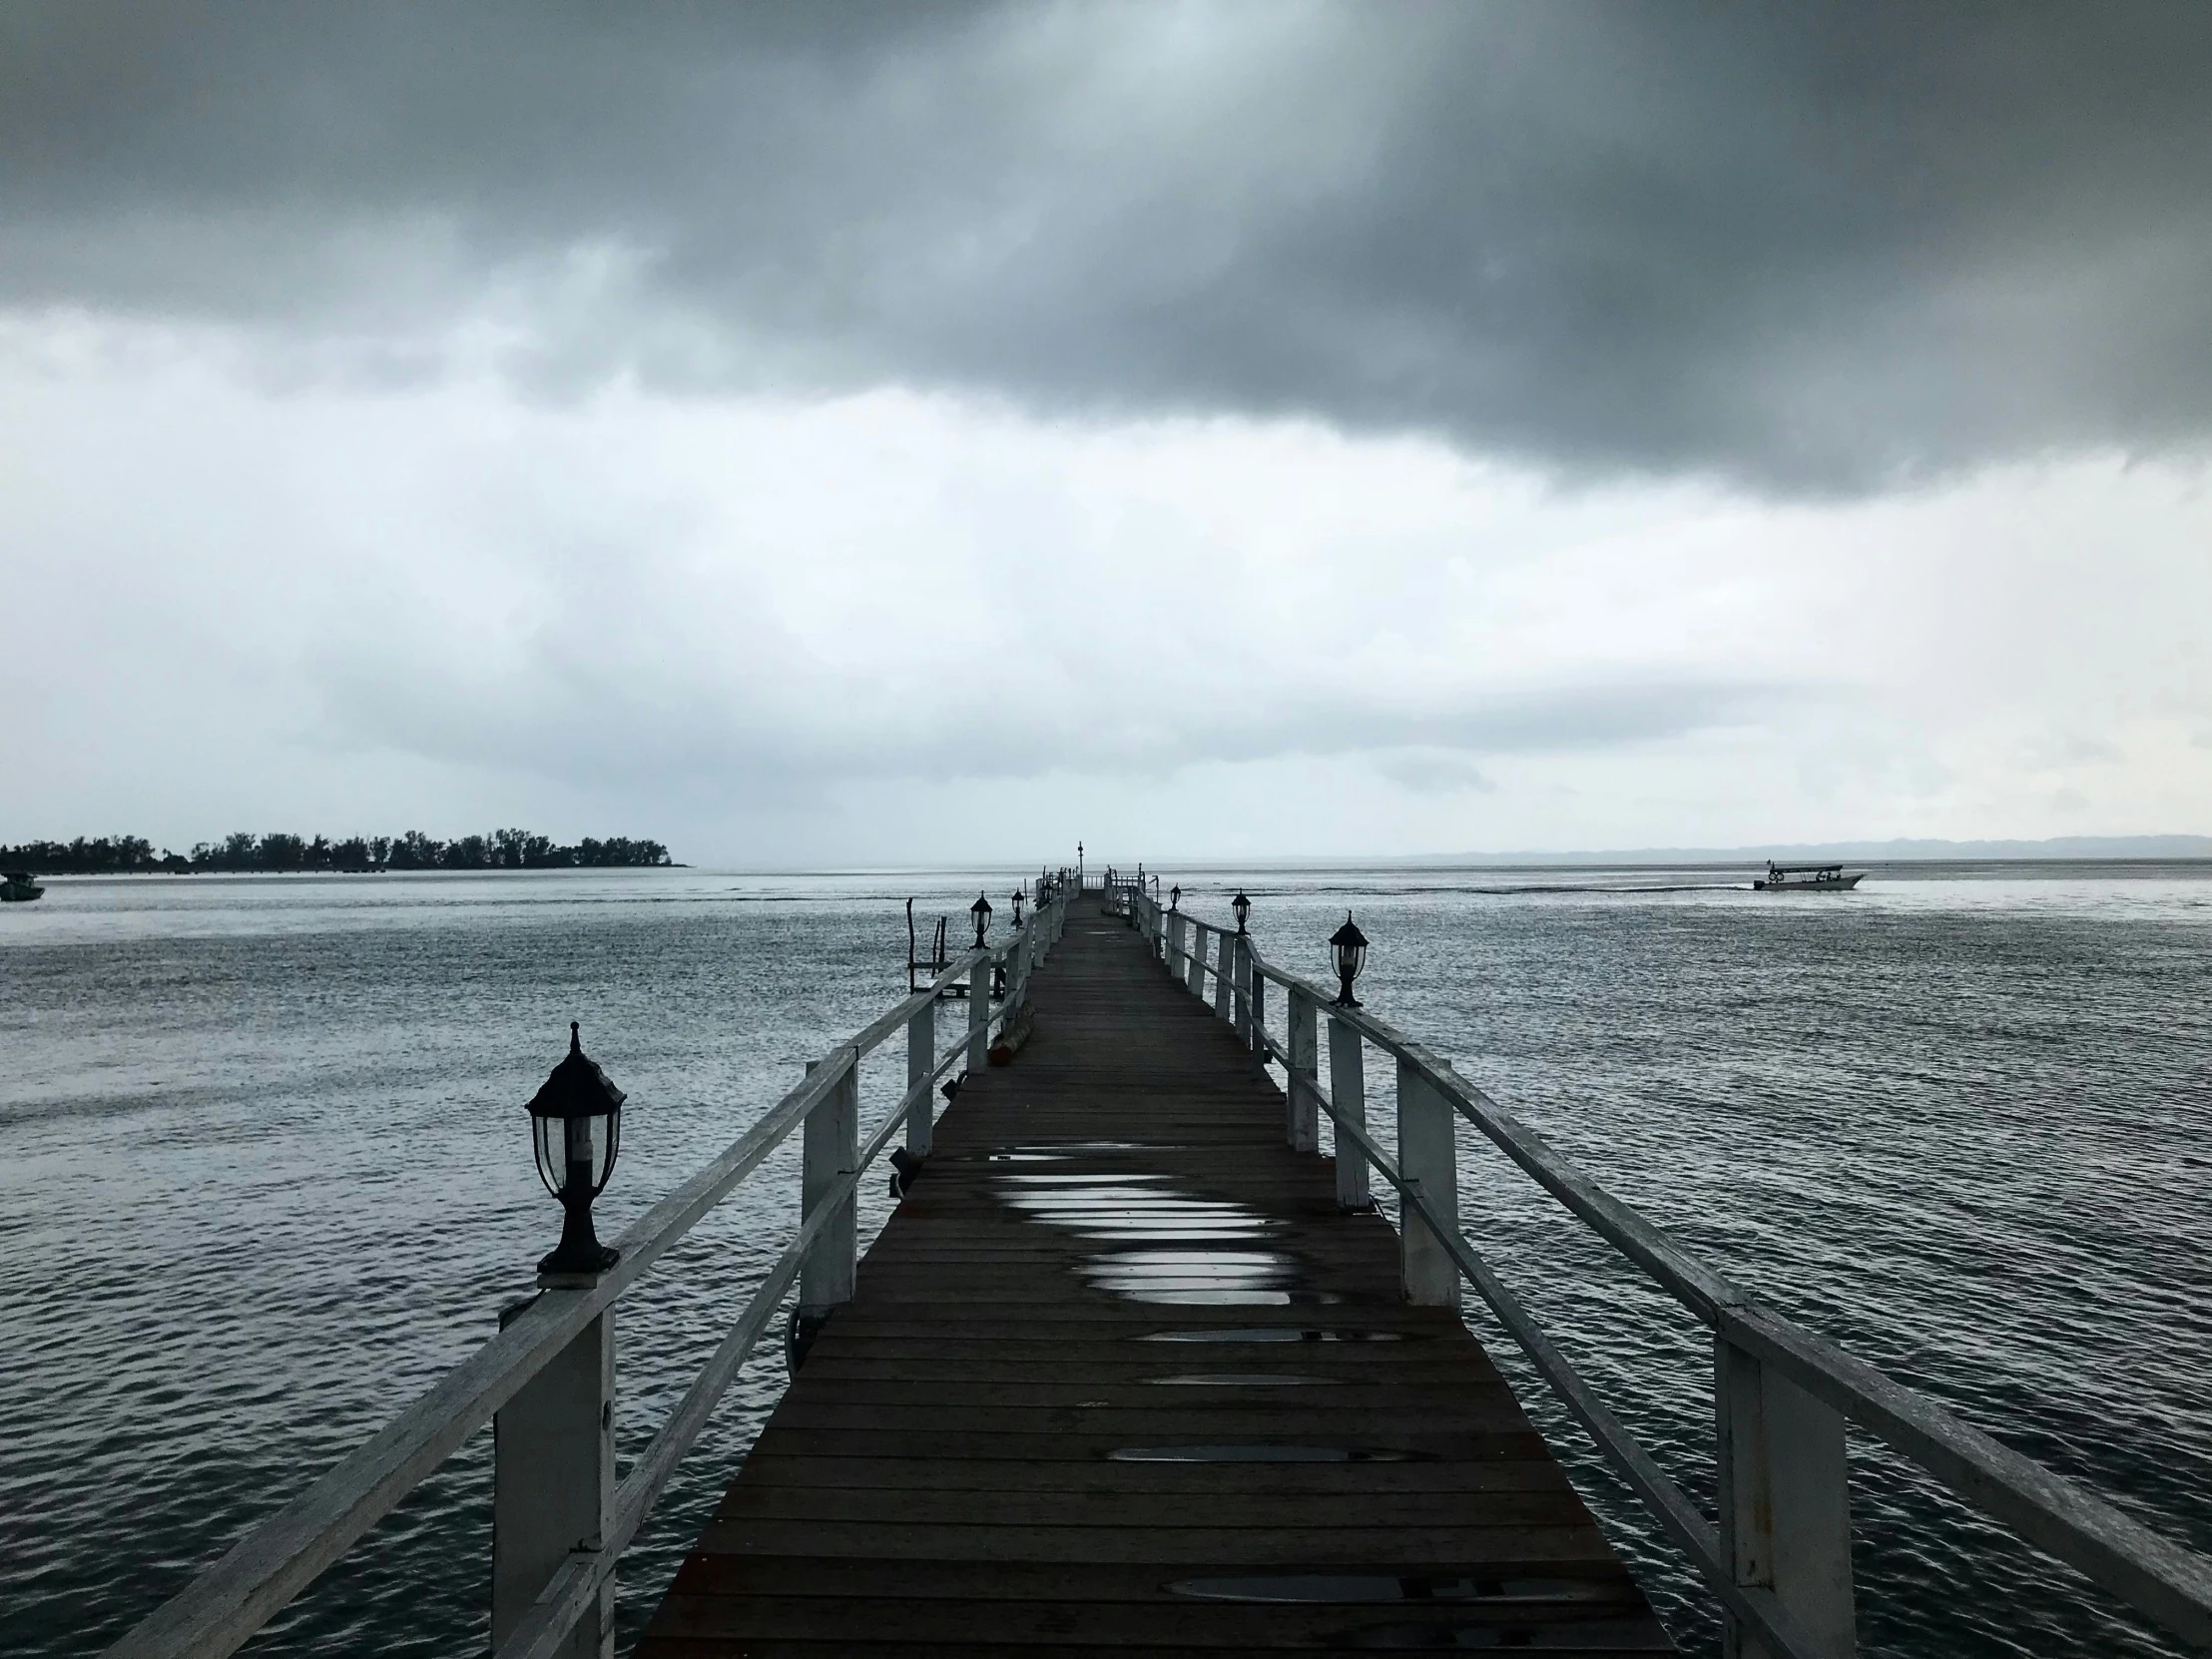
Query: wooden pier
[1120,1375]
[1135,1368]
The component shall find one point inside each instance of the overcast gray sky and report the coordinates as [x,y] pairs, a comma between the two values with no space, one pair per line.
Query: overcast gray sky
[833,433]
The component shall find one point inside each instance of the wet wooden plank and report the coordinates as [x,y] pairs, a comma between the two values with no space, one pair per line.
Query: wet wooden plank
[999,1444]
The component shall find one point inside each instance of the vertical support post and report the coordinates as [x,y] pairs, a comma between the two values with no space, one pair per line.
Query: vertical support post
[1175,965]
[1348,1092]
[1195,968]
[921,1060]
[979,1015]
[1426,1157]
[1784,1502]
[830,1151]
[553,1482]
[1225,969]
[1301,1088]
[1240,988]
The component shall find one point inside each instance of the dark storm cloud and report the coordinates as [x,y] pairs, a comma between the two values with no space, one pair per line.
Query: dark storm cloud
[1802,248]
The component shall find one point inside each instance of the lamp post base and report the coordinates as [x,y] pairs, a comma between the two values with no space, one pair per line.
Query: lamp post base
[562,1273]
[579,1257]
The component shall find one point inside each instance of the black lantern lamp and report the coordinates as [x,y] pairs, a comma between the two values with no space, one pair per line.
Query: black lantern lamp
[1175,897]
[1350,946]
[576,1131]
[1243,906]
[981,911]
[1018,896]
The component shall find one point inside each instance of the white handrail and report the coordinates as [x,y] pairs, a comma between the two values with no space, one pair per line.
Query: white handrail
[259,1575]
[2159,1578]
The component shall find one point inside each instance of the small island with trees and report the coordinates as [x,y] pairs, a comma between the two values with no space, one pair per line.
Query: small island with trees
[278,853]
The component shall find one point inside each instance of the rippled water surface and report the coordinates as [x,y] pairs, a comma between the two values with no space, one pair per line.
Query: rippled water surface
[264,1176]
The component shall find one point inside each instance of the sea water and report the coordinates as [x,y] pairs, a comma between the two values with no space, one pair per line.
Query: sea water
[263,1177]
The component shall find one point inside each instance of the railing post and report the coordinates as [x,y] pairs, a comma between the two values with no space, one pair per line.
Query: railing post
[1784,1502]
[831,1150]
[1175,962]
[1301,1088]
[1224,974]
[553,1482]
[1427,1156]
[1257,1038]
[1240,988]
[979,1014]
[1348,1092]
[1195,968]
[921,1060]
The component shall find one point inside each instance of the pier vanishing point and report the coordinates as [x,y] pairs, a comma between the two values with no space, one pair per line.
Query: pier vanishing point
[1138,1366]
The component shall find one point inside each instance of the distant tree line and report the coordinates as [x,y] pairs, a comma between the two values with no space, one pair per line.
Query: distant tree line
[281,853]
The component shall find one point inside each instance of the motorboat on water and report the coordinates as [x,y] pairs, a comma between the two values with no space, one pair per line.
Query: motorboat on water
[17,888]
[1808,879]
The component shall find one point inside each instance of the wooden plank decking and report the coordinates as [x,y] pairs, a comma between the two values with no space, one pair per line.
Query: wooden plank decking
[1041,1425]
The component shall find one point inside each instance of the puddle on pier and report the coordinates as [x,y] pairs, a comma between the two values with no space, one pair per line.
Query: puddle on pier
[1059,1151]
[1135,1211]
[1263,1453]
[1582,1635]
[1269,1333]
[1380,1586]
[1469,1592]
[1198,1278]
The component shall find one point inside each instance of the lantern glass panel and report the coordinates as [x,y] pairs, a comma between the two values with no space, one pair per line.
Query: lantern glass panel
[548,1138]
[595,1140]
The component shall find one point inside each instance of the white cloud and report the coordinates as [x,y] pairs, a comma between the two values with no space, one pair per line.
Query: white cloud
[893,625]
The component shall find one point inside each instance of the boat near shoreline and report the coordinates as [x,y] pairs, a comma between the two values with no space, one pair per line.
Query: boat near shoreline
[17,888]
[1807,878]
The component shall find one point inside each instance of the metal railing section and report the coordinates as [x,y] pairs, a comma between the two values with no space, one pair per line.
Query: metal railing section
[223,1607]
[1779,1563]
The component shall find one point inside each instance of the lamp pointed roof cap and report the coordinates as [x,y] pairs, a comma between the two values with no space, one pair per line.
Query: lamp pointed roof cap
[577,1087]
[1349,933]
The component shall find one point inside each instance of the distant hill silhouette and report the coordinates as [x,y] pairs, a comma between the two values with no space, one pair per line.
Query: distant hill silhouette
[281,853]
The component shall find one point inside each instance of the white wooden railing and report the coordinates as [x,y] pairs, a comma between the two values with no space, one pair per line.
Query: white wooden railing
[560,1520]
[1779,1563]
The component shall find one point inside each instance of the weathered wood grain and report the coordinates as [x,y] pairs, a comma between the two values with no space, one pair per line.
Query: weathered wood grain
[942,1477]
